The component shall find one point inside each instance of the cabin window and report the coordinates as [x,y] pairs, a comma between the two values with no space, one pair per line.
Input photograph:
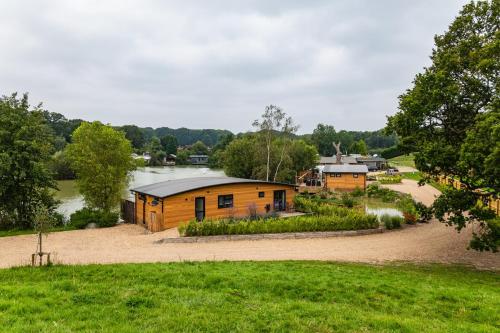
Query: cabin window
[262,194]
[355,175]
[338,175]
[226,201]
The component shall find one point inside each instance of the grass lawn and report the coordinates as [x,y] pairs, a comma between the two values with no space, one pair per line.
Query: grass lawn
[416,176]
[249,297]
[17,232]
[403,160]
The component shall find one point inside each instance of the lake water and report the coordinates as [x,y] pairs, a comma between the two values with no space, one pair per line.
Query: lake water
[379,208]
[71,200]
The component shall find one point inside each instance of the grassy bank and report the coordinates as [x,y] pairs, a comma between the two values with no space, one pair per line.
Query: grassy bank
[17,232]
[403,160]
[249,296]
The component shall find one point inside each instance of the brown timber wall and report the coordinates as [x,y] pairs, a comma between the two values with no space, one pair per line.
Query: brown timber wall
[347,182]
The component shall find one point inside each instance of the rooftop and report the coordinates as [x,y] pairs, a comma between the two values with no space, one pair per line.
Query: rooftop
[176,186]
[346,168]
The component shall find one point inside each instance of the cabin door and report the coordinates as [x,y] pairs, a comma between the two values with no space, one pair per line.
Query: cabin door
[199,208]
[279,200]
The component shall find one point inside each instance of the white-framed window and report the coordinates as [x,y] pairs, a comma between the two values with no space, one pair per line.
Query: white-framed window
[354,175]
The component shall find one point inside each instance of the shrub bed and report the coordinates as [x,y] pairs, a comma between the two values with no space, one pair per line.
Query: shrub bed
[389,179]
[324,218]
[81,218]
[391,222]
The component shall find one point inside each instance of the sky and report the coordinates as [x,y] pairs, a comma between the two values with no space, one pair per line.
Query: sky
[217,64]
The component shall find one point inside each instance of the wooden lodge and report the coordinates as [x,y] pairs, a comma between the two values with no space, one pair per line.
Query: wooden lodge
[344,177]
[166,204]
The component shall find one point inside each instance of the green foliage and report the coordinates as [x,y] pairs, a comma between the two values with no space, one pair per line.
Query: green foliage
[347,200]
[155,149]
[391,222]
[396,179]
[134,134]
[326,217]
[450,117]
[81,218]
[199,148]
[387,195]
[358,147]
[169,144]
[357,192]
[277,296]
[425,213]
[239,157]
[61,127]
[60,166]
[26,147]
[101,158]
[323,137]
[182,157]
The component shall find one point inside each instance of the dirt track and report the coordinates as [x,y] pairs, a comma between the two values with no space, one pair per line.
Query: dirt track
[428,243]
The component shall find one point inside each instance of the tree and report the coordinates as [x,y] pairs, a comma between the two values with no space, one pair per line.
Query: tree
[101,158]
[26,146]
[156,151]
[135,135]
[447,116]
[273,121]
[239,157]
[303,156]
[359,147]
[199,148]
[323,136]
[169,144]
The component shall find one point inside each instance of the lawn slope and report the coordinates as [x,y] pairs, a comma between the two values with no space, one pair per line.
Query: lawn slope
[249,296]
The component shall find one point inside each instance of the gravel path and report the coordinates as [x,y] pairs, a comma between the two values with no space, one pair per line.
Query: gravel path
[427,243]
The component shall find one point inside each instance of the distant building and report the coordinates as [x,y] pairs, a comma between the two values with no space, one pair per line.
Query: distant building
[373,163]
[344,177]
[198,159]
[170,159]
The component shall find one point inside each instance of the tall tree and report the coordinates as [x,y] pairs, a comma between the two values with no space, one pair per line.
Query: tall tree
[323,136]
[274,121]
[101,158]
[135,135]
[169,143]
[26,146]
[443,117]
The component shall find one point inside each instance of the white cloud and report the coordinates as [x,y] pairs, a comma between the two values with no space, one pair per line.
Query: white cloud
[216,64]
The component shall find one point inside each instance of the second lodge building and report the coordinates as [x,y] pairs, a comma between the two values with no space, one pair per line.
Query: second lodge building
[166,204]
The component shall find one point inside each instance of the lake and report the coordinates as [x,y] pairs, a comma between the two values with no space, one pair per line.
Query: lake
[71,200]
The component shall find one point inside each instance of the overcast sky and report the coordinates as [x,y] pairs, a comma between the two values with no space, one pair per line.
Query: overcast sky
[217,64]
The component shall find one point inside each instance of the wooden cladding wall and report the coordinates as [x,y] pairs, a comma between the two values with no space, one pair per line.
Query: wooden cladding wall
[170,211]
[346,181]
[149,212]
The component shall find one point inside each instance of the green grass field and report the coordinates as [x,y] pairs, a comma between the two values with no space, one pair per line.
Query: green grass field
[249,297]
[403,160]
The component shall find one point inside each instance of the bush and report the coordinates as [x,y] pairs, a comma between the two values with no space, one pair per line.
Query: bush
[326,217]
[409,218]
[387,195]
[391,222]
[424,212]
[81,218]
[389,179]
[347,200]
[358,192]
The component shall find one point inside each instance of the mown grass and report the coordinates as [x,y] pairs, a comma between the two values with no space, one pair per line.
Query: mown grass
[249,297]
[17,232]
[403,160]
[417,176]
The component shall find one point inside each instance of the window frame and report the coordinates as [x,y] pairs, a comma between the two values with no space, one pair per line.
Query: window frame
[262,194]
[355,175]
[225,204]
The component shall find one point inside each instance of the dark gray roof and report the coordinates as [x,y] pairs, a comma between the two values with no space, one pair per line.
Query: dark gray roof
[176,186]
[327,160]
[346,168]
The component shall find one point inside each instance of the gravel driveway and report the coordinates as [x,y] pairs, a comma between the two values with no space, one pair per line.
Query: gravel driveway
[427,243]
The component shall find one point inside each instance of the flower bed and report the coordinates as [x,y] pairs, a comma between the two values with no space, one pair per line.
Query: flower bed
[323,217]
